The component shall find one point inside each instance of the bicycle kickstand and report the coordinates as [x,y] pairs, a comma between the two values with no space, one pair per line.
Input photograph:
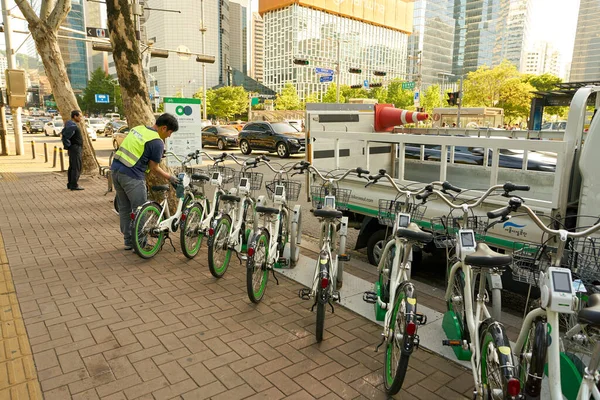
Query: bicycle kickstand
[380,343]
[331,305]
[275,276]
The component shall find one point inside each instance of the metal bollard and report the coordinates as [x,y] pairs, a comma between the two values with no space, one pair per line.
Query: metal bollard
[54,157]
[45,152]
[33,149]
[62,160]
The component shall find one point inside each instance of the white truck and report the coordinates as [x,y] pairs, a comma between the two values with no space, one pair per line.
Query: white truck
[562,171]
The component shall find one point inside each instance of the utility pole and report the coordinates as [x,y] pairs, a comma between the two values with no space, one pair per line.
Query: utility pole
[337,70]
[12,63]
[203,30]
[462,78]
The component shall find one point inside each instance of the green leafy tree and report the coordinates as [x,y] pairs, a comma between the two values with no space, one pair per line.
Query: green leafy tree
[227,101]
[288,99]
[99,83]
[431,98]
[350,93]
[330,94]
[544,83]
[515,99]
[312,98]
[401,98]
[379,93]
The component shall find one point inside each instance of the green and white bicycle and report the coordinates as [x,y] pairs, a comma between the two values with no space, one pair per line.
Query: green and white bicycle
[277,238]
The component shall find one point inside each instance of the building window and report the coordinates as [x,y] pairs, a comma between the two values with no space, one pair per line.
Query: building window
[153,69]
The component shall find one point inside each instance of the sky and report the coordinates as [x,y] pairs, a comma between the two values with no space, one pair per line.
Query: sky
[553,21]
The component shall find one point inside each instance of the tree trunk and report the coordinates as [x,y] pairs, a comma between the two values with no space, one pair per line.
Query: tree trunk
[134,90]
[46,43]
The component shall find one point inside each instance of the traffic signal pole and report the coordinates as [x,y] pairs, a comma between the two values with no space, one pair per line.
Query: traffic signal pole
[12,63]
[459,99]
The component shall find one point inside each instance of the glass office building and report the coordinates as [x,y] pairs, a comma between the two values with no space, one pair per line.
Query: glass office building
[585,65]
[323,38]
[433,37]
[74,52]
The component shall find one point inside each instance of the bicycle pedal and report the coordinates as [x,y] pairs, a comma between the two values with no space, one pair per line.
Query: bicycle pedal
[344,257]
[421,319]
[416,341]
[452,343]
[336,296]
[370,297]
[304,294]
[282,261]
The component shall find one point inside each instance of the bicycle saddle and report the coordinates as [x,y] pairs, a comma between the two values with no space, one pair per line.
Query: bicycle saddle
[200,177]
[413,232]
[591,314]
[160,188]
[486,257]
[327,213]
[266,210]
[230,197]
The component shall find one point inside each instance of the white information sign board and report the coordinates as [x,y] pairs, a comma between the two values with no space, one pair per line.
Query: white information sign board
[189,136]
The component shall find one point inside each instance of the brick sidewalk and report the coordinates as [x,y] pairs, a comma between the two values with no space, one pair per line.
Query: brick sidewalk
[104,323]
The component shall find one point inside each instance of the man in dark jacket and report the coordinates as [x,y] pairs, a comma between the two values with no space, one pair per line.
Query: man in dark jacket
[73,142]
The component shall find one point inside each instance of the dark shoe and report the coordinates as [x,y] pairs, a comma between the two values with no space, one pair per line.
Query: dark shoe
[77,188]
[127,247]
[68,186]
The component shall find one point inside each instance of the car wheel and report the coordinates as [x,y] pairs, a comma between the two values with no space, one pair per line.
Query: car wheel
[46,133]
[221,144]
[282,150]
[375,246]
[245,147]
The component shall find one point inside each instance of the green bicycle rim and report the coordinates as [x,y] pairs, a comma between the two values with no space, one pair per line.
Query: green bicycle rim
[263,284]
[194,211]
[388,359]
[154,249]
[221,269]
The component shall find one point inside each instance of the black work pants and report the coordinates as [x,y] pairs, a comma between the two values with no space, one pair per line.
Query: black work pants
[75,165]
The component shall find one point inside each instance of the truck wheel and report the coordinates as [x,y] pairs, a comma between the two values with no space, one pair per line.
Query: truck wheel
[375,246]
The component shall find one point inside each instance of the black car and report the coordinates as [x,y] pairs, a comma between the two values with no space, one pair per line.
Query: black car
[35,126]
[280,137]
[220,136]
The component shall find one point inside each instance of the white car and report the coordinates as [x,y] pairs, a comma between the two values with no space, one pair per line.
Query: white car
[54,127]
[97,124]
[91,132]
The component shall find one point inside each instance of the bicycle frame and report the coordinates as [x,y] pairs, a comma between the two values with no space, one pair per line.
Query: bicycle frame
[591,378]
[327,267]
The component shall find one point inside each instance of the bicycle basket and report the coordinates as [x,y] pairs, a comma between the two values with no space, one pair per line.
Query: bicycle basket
[389,208]
[292,189]
[582,256]
[528,259]
[227,173]
[442,235]
[477,224]
[255,179]
[342,196]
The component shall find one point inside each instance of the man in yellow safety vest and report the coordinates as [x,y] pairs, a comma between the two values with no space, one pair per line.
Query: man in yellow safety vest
[139,154]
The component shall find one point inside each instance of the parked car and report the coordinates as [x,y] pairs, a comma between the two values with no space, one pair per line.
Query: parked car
[113,126]
[54,127]
[280,137]
[119,136]
[97,124]
[112,116]
[220,136]
[25,125]
[36,126]
[91,132]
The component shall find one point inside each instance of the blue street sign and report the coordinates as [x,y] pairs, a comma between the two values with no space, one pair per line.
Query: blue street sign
[366,84]
[151,96]
[326,78]
[324,71]
[102,98]
[156,89]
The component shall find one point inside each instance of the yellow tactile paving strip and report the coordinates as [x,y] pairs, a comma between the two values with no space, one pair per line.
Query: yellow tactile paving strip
[18,378]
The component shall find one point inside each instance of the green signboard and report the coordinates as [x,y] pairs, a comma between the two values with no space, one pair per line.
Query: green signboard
[180,100]
[50,103]
[408,85]
[255,101]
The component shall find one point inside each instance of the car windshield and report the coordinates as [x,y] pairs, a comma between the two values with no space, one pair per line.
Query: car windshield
[58,124]
[95,121]
[227,130]
[283,127]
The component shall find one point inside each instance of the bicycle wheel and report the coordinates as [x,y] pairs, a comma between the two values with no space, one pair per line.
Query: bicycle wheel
[147,239]
[497,366]
[396,360]
[257,273]
[457,303]
[218,253]
[533,359]
[320,313]
[191,236]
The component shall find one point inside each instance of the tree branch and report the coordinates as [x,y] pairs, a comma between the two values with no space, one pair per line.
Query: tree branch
[59,13]
[28,11]
[47,6]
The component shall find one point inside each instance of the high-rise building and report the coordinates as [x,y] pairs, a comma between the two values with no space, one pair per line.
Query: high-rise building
[94,17]
[74,52]
[170,30]
[512,31]
[362,37]
[474,34]
[238,36]
[585,65]
[31,49]
[257,62]
[540,59]
[431,41]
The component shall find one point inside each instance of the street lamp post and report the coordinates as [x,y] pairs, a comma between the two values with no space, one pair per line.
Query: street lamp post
[203,30]
[337,70]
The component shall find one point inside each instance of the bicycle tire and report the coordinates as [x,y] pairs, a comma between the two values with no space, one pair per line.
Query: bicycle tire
[531,371]
[191,221]
[140,240]
[459,310]
[393,381]
[253,271]
[494,341]
[222,227]
[320,314]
